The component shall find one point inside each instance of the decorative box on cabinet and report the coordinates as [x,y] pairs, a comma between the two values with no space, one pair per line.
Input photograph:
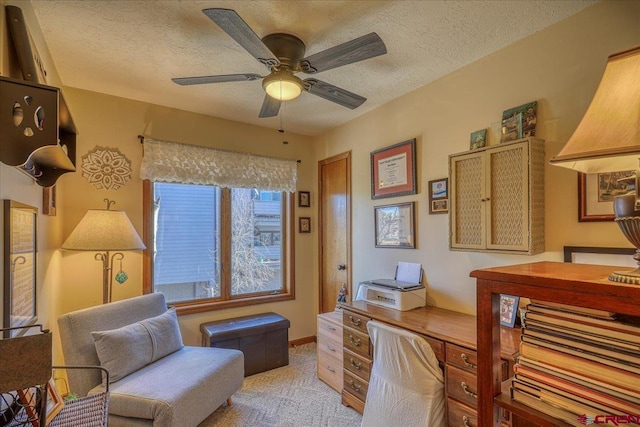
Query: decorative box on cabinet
[330,349]
[497,198]
[580,284]
[358,358]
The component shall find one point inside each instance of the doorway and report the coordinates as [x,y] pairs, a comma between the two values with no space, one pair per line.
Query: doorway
[334,188]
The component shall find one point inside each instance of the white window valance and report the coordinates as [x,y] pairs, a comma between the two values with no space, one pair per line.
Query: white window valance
[191,164]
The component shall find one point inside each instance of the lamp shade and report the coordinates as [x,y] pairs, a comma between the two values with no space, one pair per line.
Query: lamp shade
[608,137]
[104,230]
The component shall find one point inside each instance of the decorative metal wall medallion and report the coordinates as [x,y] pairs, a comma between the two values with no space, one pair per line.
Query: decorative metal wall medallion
[106,168]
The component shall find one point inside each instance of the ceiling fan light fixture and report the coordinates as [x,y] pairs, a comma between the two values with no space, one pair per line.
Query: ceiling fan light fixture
[282,85]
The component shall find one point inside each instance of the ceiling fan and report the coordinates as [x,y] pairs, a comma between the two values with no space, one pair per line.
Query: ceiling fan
[283,55]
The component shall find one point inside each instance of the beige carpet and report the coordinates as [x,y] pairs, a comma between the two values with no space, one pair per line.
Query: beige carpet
[290,396]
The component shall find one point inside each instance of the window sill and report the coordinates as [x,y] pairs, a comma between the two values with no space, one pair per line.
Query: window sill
[191,307]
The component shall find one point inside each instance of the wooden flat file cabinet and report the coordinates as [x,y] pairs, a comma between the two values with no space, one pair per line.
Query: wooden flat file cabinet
[576,284]
[452,337]
[330,349]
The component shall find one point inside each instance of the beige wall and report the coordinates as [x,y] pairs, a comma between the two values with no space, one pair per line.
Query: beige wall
[560,68]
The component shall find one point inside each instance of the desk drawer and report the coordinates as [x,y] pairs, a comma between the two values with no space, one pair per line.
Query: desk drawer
[355,321]
[459,415]
[357,364]
[462,386]
[330,371]
[462,358]
[329,330]
[355,385]
[356,341]
[437,346]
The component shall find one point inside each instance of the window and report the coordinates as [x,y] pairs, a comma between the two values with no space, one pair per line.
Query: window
[197,230]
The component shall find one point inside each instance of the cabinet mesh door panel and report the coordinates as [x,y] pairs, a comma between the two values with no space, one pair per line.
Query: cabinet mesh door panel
[468,194]
[508,198]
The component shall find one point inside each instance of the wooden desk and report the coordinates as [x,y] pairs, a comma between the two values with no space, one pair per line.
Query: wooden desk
[452,336]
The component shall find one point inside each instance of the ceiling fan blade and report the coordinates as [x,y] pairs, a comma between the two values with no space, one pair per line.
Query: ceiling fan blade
[186,81]
[333,93]
[359,49]
[270,107]
[232,24]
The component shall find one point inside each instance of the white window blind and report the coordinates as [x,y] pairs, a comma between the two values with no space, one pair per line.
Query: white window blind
[191,164]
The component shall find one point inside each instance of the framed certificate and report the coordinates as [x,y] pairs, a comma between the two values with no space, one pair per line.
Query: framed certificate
[393,170]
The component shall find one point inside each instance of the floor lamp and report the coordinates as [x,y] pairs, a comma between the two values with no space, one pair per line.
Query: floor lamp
[105,230]
[608,140]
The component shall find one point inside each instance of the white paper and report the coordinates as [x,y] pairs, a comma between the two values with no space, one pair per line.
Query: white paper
[408,272]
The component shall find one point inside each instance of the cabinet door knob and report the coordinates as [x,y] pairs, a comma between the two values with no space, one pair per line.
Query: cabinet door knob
[342,267]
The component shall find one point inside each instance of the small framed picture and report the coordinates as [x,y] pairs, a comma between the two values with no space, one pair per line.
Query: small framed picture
[508,310]
[304,224]
[30,399]
[439,196]
[478,139]
[304,199]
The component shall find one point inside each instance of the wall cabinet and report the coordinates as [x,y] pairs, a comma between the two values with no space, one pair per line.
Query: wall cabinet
[497,198]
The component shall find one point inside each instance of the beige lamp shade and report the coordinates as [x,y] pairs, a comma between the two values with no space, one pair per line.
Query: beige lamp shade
[104,230]
[608,137]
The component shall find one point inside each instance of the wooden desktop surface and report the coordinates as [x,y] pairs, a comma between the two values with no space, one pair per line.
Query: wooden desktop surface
[446,325]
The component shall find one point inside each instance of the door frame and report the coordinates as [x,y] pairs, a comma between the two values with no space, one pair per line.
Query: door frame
[321,232]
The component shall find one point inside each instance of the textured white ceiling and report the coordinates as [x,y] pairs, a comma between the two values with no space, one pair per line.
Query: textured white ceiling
[132,49]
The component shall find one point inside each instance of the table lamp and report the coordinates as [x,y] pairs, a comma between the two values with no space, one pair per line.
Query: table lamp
[608,140]
[105,230]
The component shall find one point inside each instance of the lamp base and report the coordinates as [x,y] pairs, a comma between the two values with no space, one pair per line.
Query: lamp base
[629,277]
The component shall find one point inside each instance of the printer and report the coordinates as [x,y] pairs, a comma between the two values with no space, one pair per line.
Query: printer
[404,292]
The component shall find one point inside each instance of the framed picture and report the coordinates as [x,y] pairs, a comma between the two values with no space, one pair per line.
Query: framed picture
[439,196]
[478,139]
[393,170]
[395,226]
[508,310]
[304,224]
[519,122]
[621,257]
[19,293]
[596,192]
[55,402]
[304,199]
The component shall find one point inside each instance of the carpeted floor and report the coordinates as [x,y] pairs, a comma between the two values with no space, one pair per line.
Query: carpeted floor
[291,396]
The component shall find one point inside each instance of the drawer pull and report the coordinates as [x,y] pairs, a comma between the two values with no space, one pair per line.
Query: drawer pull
[465,359]
[331,328]
[358,366]
[330,369]
[465,421]
[466,390]
[356,387]
[355,321]
[355,341]
[331,348]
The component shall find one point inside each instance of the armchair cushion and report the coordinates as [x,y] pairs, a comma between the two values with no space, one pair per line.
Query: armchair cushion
[127,349]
